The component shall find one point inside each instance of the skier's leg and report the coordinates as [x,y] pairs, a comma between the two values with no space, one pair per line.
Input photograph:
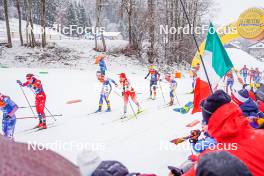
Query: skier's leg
[101,101]
[4,126]
[231,86]
[107,102]
[155,90]
[171,97]
[150,89]
[134,99]
[126,95]
[40,106]
[11,128]
[227,85]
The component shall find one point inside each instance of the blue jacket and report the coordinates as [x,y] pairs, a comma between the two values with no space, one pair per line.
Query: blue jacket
[102,65]
[250,108]
[203,144]
[8,105]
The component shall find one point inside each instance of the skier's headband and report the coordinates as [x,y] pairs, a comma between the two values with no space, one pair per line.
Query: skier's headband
[29,77]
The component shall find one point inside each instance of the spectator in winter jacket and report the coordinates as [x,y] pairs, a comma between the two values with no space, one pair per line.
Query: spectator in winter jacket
[232,132]
[247,105]
[221,163]
[260,97]
[91,165]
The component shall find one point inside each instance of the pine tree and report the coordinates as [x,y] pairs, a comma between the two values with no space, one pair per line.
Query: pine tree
[70,16]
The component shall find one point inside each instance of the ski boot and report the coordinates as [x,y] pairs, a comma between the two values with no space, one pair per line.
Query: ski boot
[124,115]
[98,110]
[139,110]
[40,121]
[171,103]
[108,109]
[43,126]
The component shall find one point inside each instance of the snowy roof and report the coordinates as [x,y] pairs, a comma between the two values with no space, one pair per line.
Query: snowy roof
[259,45]
[111,34]
[231,45]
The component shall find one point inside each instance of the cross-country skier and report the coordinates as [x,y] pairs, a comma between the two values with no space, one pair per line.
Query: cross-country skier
[8,107]
[40,99]
[106,90]
[154,78]
[102,64]
[251,74]
[244,72]
[230,81]
[173,85]
[128,91]
[257,77]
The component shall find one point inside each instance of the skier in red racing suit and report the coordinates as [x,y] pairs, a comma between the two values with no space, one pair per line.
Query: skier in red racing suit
[40,99]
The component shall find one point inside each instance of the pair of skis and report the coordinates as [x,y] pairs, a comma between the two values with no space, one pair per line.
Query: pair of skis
[36,129]
[125,118]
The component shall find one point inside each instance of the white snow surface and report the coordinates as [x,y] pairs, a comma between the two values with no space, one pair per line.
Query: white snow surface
[142,144]
[137,143]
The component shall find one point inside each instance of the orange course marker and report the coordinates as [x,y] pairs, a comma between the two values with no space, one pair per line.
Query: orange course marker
[73,101]
[193,123]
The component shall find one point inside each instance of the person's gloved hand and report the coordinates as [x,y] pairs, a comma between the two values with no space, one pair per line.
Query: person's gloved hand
[19,82]
[8,117]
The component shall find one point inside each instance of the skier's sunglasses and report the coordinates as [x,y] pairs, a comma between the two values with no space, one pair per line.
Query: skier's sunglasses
[28,78]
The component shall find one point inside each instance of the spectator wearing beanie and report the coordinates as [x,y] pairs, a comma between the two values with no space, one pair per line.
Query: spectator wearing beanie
[90,164]
[260,97]
[247,105]
[221,163]
[232,132]
[250,92]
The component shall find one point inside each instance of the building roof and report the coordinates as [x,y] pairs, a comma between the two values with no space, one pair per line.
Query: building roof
[258,45]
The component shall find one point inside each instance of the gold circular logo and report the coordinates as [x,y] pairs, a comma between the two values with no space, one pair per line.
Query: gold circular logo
[250,24]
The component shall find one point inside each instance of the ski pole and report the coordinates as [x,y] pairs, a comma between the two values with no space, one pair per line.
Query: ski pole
[21,118]
[51,115]
[177,100]
[128,101]
[27,101]
[162,92]
[24,107]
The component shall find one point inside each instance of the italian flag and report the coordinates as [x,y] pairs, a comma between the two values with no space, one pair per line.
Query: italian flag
[217,63]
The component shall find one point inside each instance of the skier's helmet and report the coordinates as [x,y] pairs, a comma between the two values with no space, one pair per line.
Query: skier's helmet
[98,73]
[29,76]
[122,76]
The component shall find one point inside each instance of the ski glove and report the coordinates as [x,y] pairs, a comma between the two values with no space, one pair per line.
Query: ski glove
[8,117]
[19,82]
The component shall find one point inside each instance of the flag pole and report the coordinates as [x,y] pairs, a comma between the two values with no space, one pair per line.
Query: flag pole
[197,46]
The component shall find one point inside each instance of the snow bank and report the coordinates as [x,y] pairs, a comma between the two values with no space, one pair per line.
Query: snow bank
[241,58]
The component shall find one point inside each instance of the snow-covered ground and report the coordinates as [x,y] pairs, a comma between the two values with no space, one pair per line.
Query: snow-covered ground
[141,144]
[137,143]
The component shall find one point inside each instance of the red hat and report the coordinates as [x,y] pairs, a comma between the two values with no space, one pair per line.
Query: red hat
[122,75]
[29,75]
